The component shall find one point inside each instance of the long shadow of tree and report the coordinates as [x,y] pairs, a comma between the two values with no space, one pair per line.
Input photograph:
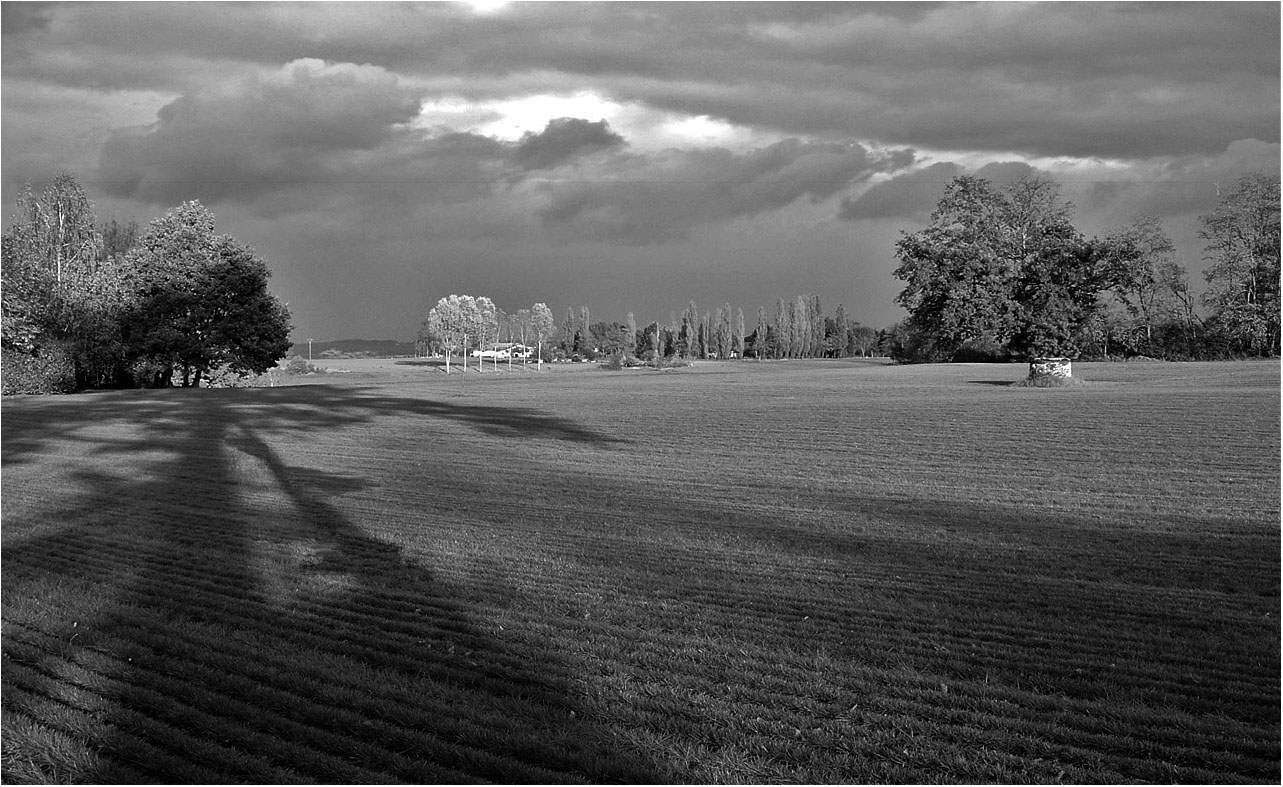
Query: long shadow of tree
[270,638]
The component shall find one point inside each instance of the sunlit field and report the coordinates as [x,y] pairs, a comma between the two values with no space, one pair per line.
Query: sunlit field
[837,571]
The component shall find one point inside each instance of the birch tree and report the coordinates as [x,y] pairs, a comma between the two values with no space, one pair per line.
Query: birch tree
[523,324]
[541,322]
[445,324]
[487,326]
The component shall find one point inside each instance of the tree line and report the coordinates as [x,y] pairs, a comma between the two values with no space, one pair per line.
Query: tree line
[797,328]
[84,305]
[1001,273]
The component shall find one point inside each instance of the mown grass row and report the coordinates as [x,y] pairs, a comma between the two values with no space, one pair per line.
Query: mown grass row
[759,615]
[401,584]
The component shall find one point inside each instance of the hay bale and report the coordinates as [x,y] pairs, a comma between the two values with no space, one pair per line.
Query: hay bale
[1049,373]
[1050,367]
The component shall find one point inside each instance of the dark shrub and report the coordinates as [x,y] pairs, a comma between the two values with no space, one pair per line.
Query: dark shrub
[981,351]
[297,365]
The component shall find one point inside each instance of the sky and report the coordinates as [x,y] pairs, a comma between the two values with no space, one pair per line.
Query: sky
[627,157]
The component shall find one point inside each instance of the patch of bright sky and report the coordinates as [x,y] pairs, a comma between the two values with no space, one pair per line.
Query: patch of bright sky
[1067,167]
[486,7]
[644,128]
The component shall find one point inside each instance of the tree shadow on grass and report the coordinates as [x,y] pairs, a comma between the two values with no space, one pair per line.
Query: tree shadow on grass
[169,413]
[191,607]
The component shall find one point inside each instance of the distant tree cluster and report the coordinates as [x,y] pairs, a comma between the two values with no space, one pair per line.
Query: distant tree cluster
[461,323]
[87,306]
[798,329]
[1002,273]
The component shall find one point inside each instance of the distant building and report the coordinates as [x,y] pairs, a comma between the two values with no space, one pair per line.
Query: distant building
[503,351]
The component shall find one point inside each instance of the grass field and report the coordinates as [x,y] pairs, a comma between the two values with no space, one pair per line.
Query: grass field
[782,572]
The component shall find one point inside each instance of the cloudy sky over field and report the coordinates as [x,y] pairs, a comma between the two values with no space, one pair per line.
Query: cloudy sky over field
[625,156]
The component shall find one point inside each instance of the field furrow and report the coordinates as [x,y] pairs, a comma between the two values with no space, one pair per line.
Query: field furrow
[737,573]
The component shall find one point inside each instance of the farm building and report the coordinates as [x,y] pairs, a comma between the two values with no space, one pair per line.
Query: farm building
[503,351]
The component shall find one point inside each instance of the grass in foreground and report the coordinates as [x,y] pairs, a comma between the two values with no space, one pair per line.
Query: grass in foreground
[785,573]
[1049,381]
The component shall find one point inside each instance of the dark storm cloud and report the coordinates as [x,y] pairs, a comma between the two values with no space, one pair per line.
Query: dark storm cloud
[310,123]
[23,18]
[1098,79]
[300,122]
[562,140]
[1182,186]
[270,143]
[1103,196]
[910,195]
[649,199]
[1042,79]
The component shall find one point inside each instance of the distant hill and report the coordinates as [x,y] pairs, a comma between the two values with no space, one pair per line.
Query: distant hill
[354,348]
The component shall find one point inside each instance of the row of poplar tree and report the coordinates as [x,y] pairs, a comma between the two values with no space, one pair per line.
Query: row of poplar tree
[84,305]
[1002,273]
[796,328]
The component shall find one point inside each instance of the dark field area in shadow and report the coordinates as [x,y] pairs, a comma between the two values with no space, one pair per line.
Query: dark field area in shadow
[192,636]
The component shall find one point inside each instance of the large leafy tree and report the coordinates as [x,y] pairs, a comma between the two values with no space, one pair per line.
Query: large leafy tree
[611,338]
[999,269]
[960,271]
[1056,295]
[200,301]
[449,322]
[1243,280]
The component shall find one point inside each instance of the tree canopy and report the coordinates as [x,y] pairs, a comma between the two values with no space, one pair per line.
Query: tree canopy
[999,271]
[1243,279]
[132,308]
[201,300]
